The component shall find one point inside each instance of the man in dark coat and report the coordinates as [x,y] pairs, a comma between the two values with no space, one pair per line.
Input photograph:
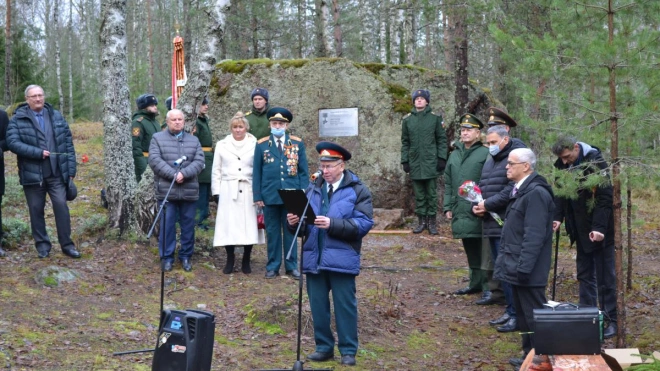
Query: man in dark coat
[331,259]
[41,139]
[496,189]
[424,157]
[526,244]
[465,163]
[144,126]
[280,162]
[4,121]
[203,132]
[256,116]
[166,152]
[590,224]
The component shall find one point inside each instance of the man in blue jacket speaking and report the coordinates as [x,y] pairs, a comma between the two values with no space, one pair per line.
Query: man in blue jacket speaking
[331,252]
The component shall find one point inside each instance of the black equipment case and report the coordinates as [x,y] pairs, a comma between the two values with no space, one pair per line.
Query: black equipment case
[567,329]
[185,341]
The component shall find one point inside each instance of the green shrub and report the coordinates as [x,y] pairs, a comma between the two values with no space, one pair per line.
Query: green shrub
[16,231]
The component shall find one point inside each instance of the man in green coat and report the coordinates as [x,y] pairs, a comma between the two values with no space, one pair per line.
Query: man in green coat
[465,163]
[256,116]
[424,157]
[203,133]
[143,128]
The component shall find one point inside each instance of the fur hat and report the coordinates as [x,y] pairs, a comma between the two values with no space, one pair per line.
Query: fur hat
[260,92]
[422,93]
[146,100]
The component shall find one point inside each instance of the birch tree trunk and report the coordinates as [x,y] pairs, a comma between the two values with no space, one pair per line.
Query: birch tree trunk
[301,28]
[384,37]
[58,65]
[118,160]
[8,54]
[409,32]
[322,46]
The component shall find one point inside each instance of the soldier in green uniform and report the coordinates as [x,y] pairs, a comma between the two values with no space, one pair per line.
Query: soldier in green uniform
[424,157]
[280,162]
[203,133]
[466,163]
[256,116]
[143,128]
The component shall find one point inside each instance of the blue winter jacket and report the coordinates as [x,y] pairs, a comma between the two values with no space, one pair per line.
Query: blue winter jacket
[351,214]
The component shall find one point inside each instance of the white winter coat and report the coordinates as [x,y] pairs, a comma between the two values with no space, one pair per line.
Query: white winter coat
[231,179]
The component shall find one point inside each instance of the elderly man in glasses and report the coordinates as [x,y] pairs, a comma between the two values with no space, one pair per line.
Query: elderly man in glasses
[41,139]
[331,259]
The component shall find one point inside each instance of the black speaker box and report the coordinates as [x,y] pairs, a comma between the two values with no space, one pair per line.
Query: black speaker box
[185,341]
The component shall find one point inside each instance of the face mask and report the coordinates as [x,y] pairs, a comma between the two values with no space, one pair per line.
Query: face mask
[277,132]
[495,149]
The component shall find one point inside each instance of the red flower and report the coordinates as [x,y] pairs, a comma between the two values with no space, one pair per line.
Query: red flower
[85,159]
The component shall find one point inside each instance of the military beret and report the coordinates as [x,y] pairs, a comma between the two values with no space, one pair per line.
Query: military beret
[470,121]
[279,114]
[260,92]
[146,100]
[498,117]
[422,93]
[329,151]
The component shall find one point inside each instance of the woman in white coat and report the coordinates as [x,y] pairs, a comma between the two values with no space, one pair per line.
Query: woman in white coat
[231,185]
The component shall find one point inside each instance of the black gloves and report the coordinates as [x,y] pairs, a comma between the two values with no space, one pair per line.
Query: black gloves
[440,167]
[523,278]
[406,167]
[216,198]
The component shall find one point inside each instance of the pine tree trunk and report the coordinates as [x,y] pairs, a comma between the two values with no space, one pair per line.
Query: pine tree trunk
[461,64]
[409,32]
[118,159]
[58,64]
[301,29]
[337,28]
[151,47]
[8,55]
[70,61]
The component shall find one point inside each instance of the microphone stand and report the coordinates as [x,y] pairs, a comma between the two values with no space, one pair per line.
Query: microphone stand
[162,209]
[298,365]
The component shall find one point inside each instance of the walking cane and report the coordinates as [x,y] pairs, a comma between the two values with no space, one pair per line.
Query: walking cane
[554,279]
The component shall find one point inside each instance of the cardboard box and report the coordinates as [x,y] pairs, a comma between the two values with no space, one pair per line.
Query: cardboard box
[629,356]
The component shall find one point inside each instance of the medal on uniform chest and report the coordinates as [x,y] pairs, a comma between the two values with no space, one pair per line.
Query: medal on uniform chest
[291,154]
[267,156]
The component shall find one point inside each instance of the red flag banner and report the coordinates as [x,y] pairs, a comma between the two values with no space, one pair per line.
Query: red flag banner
[179,76]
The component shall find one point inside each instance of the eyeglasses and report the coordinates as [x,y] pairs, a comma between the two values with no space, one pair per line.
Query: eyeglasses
[35,96]
[328,167]
[509,163]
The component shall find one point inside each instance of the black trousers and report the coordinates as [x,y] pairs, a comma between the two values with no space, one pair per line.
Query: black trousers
[36,201]
[525,300]
[597,279]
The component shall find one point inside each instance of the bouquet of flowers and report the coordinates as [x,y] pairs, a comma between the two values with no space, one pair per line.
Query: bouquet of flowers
[470,191]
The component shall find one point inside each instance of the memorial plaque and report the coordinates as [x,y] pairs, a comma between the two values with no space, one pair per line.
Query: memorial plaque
[338,122]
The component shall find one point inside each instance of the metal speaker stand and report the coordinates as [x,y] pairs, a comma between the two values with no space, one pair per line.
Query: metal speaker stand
[299,365]
[161,211]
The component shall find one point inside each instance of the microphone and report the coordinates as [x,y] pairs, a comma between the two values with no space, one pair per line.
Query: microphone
[317,174]
[179,161]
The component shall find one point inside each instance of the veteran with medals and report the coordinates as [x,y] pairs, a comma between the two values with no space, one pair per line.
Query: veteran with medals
[280,162]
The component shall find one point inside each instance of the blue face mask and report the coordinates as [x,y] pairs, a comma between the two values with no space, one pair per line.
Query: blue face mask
[495,149]
[277,132]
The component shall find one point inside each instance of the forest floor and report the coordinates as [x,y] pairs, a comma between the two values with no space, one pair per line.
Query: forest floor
[408,318]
